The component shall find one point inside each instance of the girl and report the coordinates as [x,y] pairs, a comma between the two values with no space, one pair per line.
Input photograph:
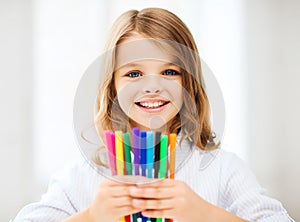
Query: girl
[154,82]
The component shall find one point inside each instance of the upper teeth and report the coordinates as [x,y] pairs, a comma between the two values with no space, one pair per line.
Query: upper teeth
[151,104]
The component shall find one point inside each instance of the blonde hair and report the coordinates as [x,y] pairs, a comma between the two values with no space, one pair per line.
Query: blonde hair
[156,23]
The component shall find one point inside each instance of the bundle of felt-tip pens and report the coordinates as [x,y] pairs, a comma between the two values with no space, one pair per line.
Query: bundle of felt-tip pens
[144,153]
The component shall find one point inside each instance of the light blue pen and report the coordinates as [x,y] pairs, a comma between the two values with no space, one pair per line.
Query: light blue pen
[150,153]
[150,158]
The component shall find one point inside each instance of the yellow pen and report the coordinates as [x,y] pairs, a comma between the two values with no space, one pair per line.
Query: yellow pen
[120,157]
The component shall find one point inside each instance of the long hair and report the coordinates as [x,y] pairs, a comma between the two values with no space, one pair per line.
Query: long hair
[193,121]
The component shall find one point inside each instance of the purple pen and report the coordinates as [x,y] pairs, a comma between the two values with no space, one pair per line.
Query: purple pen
[136,149]
[136,161]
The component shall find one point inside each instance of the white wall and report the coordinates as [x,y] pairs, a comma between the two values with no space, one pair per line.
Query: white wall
[16,105]
[273,52]
[218,28]
[45,48]
[67,38]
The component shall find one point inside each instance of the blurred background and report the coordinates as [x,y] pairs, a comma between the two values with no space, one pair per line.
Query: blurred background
[252,47]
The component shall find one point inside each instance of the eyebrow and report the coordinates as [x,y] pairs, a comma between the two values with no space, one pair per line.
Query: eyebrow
[131,65]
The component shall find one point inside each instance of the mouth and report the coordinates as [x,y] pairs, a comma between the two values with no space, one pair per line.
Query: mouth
[152,104]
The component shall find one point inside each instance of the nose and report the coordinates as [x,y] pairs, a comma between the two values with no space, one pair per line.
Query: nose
[152,84]
[152,90]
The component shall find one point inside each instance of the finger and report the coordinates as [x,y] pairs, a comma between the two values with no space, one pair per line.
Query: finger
[151,192]
[154,204]
[131,180]
[165,213]
[126,210]
[158,183]
[117,181]
[122,201]
[119,191]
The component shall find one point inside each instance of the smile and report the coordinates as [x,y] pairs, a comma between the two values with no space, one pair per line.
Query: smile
[152,104]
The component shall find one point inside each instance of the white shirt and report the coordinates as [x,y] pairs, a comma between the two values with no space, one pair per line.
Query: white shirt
[218,176]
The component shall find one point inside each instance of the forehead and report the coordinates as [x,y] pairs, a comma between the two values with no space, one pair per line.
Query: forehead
[138,49]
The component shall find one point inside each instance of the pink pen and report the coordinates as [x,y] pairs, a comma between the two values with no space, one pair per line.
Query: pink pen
[111,150]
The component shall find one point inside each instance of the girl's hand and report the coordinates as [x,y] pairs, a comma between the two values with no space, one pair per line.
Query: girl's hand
[174,199]
[170,199]
[112,202]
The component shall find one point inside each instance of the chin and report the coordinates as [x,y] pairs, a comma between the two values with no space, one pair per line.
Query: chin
[155,124]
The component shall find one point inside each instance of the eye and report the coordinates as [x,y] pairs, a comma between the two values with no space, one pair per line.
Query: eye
[134,74]
[170,72]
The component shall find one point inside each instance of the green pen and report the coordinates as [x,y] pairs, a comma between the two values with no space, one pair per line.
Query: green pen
[162,173]
[127,147]
[163,156]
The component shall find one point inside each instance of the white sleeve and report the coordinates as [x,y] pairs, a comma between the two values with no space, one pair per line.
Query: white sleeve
[244,197]
[54,206]
[68,193]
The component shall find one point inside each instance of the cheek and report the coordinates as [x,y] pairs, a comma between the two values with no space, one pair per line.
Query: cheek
[123,99]
[125,96]
[176,91]
[179,98]
[180,92]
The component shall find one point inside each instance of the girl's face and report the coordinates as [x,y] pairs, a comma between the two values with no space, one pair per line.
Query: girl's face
[149,85]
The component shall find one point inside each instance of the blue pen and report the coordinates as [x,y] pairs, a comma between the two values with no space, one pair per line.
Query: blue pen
[150,153]
[143,159]
[143,146]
